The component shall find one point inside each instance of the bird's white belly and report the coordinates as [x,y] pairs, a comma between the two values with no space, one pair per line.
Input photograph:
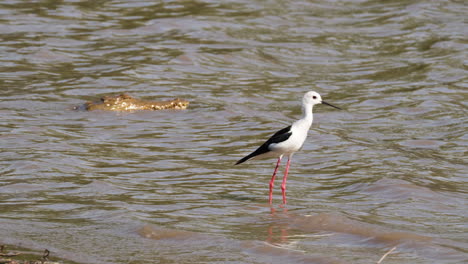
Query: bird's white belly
[293,144]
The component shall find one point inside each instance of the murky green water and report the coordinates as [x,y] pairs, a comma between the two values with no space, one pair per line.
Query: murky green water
[160,187]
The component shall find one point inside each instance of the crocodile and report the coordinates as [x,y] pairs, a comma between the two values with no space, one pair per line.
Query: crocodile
[125,102]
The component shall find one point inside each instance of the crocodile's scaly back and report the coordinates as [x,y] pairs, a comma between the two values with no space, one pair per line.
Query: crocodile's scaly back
[125,102]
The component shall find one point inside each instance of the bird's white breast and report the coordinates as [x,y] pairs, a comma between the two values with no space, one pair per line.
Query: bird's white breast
[295,141]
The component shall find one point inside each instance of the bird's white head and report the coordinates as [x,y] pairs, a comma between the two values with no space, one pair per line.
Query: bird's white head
[313,98]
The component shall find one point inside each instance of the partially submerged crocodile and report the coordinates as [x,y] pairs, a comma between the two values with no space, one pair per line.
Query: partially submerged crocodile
[125,102]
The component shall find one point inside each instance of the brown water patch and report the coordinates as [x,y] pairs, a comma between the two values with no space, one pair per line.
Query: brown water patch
[399,189]
[285,232]
[162,234]
[342,224]
[258,250]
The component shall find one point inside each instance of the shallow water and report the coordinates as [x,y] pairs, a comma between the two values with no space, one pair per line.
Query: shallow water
[160,187]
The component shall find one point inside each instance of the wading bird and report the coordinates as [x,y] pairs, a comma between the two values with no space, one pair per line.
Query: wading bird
[288,140]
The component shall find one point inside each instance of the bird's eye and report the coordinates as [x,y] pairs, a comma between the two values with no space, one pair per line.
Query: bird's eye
[314,97]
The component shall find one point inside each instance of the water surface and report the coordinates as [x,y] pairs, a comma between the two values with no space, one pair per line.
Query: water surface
[161,187]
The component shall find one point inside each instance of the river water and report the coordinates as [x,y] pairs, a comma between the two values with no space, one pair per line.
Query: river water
[390,170]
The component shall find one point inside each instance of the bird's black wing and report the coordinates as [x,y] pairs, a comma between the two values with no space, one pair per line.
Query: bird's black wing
[278,137]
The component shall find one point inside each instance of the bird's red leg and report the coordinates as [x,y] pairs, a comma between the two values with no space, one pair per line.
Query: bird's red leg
[272,181]
[283,185]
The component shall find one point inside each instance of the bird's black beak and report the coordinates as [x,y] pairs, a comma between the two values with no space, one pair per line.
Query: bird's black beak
[323,102]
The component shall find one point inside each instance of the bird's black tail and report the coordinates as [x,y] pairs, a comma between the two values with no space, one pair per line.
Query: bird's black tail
[244,159]
[278,137]
[261,150]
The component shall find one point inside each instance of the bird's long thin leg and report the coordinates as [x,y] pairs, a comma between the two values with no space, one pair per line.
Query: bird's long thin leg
[272,181]
[283,185]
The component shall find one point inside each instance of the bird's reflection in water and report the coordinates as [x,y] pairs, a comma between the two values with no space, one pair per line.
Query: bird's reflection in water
[277,232]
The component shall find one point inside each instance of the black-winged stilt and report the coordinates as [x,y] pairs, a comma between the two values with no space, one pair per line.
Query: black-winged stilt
[288,140]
